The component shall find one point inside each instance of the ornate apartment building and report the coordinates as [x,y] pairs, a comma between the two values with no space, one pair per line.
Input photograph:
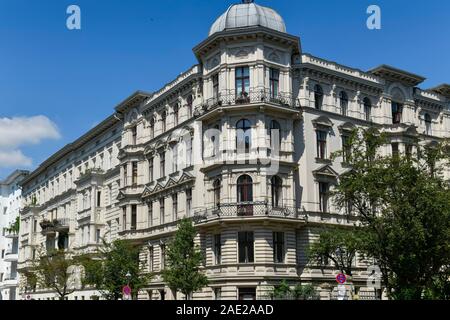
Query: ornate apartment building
[10,203]
[241,143]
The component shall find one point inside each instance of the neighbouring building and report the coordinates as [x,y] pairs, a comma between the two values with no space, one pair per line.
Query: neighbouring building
[10,202]
[240,142]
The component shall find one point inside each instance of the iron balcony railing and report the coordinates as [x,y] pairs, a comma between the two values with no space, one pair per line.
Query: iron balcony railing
[54,225]
[249,209]
[255,95]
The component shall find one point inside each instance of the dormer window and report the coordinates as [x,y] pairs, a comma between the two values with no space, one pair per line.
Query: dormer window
[397,110]
[242,82]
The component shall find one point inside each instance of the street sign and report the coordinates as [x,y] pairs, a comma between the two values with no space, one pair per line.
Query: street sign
[341,278]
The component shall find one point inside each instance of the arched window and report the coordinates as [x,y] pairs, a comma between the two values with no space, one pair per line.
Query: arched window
[175,114]
[367,109]
[343,98]
[275,129]
[243,135]
[163,120]
[189,105]
[245,195]
[276,185]
[318,97]
[216,188]
[427,123]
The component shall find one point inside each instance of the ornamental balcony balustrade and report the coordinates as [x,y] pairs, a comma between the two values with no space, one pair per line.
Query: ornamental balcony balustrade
[55,225]
[249,209]
[255,95]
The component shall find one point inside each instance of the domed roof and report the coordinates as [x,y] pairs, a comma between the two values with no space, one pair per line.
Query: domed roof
[248,14]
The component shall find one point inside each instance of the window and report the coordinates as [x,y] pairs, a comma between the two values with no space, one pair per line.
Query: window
[188,201]
[215,81]
[150,170]
[189,152]
[408,150]
[134,179]
[163,256]
[133,217]
[175,207]
[189,105]
[397,110]
[161,211]
[175,158]
[395,150]
[99,198]
[367,109]
[244,189]
[321,144]
[243,135]
[97,236]
[276,186]
[242,82]
[124,218]
[346,148]
[216,190]
[323,196]
[343,99]
[275,134]
[246,247]
[163,121]
[134,135]
[427,124]
[318,97]
[175,114]
[35,226]
[274,82]
[125,175]
[150,214]
[3,253]
[152,127]
[278,247]
[217,293]
[218,248]
[150,258]
[162,165]
[247,293]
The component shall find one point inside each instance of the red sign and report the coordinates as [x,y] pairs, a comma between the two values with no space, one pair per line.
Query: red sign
[126,290]
[341,278]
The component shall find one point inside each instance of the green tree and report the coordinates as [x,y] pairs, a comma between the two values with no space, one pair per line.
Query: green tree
[183,261]
[403,204]
[54,270]
[107,269]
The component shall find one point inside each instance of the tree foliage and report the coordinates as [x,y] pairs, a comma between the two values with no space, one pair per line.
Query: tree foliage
[403,204]
[184,259]
[299,292]
[107,269]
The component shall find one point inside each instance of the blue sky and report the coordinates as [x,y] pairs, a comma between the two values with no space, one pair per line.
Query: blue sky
[68,81]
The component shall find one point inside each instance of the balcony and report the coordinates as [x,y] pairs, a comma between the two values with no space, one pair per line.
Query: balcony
[11,234]
[248,210]
[254,96]
[55,225]
[9,281]
[11,256]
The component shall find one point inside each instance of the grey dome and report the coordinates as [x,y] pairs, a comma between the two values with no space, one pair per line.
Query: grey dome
[248,15]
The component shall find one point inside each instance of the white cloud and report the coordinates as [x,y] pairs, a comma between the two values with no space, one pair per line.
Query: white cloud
[22,131]
[14,159]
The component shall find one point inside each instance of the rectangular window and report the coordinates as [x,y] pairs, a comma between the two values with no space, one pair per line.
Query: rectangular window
[150,215]
[175,158]
[124,218]
[217,293]
[397,110]
[242,82]
[134,135]
[274,82]
[188,201]
[246,247]
[218,248]
[189,152]
[346,148]
[321,144]
[125,175]
[133,217]
[161,211]
[278,247]
[162,164]
[35,226]
[215,81]
[150,170]
[97,236]
[135,174]
[99,198]
[323,196]
[175,207]
[247,293]
[150,258]
[163,256]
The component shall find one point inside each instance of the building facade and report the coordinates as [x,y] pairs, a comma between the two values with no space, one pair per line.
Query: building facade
[10,202]
[241,143]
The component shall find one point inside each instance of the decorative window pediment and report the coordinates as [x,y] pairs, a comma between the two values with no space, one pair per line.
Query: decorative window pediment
[322,122]
[347,127]
[326,172]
